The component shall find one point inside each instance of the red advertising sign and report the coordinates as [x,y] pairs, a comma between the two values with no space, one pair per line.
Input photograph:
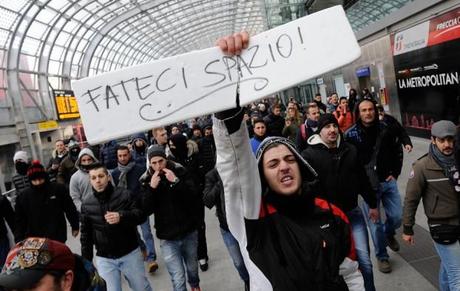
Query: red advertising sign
[445,27]
[437,30]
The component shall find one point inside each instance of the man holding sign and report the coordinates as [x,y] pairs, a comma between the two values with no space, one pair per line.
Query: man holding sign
[201,82]
[294,241]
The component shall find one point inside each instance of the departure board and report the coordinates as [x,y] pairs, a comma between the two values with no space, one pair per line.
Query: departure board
[66,104]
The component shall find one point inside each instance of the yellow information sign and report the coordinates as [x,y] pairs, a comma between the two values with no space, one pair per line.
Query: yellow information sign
[66,104]
[48,125]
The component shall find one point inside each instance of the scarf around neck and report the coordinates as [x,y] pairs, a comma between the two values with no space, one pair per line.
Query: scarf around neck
[448,165]
[312,124]
[124,170]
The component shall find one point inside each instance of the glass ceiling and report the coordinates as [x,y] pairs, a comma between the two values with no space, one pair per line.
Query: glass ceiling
[46,43]
[364,12]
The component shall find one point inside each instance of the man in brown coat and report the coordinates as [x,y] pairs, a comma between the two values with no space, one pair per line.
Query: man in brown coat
[435,179]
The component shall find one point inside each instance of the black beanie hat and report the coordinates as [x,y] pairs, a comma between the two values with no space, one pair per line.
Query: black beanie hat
[36,171]
[325,119]
[156,150]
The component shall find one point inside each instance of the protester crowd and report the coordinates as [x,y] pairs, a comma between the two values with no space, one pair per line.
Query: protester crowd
[285,180]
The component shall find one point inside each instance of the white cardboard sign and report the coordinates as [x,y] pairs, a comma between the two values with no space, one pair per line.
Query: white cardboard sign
[134,99]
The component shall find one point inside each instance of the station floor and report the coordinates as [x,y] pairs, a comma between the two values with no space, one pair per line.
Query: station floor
[414,267]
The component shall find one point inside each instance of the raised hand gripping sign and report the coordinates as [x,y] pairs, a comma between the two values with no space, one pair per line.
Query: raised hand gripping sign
[134,99]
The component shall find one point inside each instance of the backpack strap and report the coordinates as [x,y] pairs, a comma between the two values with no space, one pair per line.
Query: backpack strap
[303,131]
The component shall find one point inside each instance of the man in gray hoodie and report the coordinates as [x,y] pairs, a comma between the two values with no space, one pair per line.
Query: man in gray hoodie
[80,186]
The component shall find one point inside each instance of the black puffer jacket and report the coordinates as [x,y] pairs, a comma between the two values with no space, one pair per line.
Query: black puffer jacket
[340,173]
[176,205]
[20,182]
[207,154]
[111,240]
[40,212]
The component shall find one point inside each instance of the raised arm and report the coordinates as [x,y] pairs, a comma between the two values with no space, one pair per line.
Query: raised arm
[238,170]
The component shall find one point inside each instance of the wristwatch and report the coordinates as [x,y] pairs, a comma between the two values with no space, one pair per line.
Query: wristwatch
[176,180]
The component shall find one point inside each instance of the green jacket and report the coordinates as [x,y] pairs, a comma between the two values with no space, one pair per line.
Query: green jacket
[427,181]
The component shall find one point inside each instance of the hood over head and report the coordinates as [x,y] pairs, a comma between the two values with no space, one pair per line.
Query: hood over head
[85,151]
[137,136]
[309,175]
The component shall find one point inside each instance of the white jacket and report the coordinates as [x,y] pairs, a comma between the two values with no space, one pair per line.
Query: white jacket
[238,170]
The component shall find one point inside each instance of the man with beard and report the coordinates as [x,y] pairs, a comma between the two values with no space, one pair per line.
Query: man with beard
[80,186]
[259,134]
[274,121]
[127,176]
[21,163]
[67,166]
[435,179]
[59,153]
[378,154]
[341,179]
[41,209]
[309,127]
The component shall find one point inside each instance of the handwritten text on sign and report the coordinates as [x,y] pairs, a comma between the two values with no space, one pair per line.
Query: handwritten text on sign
[134,99]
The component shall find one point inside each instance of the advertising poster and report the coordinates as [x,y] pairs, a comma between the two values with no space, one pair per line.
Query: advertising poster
[427,68]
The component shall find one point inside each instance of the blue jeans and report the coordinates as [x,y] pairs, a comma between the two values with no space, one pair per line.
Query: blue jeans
[449,271]
[130,265]
[389,196]
[148,241]
[178,253]
[361,238]
[234,250]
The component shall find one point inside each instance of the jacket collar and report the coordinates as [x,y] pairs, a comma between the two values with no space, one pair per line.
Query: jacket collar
[431,164]
[316,139]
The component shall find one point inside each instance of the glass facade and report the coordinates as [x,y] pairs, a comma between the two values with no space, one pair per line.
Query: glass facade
[46,44]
